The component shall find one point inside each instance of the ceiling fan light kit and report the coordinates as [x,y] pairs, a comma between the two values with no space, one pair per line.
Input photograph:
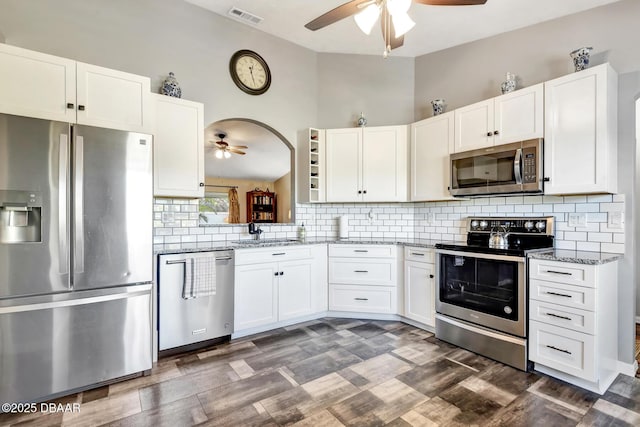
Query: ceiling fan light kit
[395,22]
[224,150]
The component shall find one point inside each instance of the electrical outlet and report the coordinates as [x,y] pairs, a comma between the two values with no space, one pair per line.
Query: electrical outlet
[577,219]
[431,218]
[371,216]
[168,216]
[615,220]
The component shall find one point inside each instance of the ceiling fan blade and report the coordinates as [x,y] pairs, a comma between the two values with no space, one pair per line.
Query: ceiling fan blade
[231,150]
[335,15]
[393,41]
[241,147]
[450,2]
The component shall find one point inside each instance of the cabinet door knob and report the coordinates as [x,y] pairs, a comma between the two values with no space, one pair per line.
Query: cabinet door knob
[70,105]
[282,273]
[81,107]
[365,192]
[495,132]
[202,184]
[276,273]
[359,192]
[546,179]
[489,133]
[431,276]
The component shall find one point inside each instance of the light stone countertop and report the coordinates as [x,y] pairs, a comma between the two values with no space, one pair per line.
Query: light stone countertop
[265,243]
[577,257]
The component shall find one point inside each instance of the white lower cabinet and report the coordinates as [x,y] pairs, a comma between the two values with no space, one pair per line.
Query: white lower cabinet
[277,284]
[419,285]
[363,278]
[256,301]
[573,322]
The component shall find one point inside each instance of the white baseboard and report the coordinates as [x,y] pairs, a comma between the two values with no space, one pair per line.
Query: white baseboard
[629,369]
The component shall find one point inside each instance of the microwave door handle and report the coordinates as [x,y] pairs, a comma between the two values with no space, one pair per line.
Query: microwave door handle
[517,166]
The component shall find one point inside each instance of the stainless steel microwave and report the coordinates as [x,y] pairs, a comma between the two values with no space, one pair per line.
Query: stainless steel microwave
[501,169]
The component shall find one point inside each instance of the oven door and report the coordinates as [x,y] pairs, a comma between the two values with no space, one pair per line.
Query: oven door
[485,289]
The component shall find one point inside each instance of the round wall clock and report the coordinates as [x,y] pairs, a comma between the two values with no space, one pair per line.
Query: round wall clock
[250,72]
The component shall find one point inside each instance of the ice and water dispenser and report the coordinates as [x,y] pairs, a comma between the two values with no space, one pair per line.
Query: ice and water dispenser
[20,216]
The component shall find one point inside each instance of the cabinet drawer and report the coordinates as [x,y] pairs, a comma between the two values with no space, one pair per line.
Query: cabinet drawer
[364,299]
[563,272]
[418,254]
[566,295]
[362,251]
[564,317]
[360,271]
[272,254]
[565,350]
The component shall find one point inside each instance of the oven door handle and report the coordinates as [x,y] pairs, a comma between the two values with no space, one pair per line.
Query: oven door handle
[481,255]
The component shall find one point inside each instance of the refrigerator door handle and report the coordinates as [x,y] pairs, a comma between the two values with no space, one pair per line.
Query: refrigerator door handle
[78,217]
[63,191]
[144,290]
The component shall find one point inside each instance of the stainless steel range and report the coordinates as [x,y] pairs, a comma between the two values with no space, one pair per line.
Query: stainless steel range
[481,297]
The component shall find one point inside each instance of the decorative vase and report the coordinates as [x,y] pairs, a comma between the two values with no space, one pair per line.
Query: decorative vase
[581,58]
[438,106]
[362,121]
[509,85]
[171,87]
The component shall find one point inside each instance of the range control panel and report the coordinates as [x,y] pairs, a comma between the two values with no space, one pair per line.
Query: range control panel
[532,225]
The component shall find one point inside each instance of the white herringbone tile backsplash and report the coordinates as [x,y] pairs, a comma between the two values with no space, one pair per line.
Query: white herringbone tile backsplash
[176,221]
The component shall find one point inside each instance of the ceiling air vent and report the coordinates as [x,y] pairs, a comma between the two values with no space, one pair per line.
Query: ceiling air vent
[245,16]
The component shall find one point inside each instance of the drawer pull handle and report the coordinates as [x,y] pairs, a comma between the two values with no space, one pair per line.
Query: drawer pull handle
[360,271]
[564,273]
[558,316]
[360,250]
[559,295]
[181,261]
[279,253]
[361,299]
[558,349]
[417,254]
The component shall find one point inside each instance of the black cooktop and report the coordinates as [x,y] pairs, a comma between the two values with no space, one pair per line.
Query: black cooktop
[525,235]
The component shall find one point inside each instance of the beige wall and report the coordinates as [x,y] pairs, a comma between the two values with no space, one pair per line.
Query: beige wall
[282,187]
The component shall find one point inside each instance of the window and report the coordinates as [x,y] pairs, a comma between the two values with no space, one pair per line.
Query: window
[214,208]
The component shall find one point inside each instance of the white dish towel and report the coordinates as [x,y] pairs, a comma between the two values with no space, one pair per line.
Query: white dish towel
[200,276]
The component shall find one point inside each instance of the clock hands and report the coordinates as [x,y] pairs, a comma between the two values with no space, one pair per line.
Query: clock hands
[251,71]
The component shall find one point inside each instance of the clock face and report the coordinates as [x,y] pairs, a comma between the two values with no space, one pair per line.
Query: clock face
[250,72]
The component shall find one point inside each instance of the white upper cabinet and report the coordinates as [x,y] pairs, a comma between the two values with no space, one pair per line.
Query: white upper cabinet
[519,115]
[367,164]
[343,168]
[48,87]
[515,116]
[581,132]
[178,149]
[113,99]
[35,84]
[474,126]
[431,142]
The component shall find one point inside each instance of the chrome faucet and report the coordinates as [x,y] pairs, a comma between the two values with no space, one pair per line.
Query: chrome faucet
[255,231]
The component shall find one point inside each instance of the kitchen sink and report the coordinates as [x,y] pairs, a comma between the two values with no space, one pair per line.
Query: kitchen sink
[264,241]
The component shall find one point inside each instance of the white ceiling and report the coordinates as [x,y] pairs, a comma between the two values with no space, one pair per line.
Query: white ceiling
[266,159]
[437,27]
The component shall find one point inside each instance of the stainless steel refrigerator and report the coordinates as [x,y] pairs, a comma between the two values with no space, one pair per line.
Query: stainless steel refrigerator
[75,256]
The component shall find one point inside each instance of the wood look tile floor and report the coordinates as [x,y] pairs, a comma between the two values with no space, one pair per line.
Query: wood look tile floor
[342,372]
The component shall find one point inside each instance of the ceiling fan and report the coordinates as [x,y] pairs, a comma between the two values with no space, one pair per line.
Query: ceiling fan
[223,149]
[394,22]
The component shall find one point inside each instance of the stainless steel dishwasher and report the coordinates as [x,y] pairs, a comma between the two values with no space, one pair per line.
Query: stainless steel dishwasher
[185,324]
